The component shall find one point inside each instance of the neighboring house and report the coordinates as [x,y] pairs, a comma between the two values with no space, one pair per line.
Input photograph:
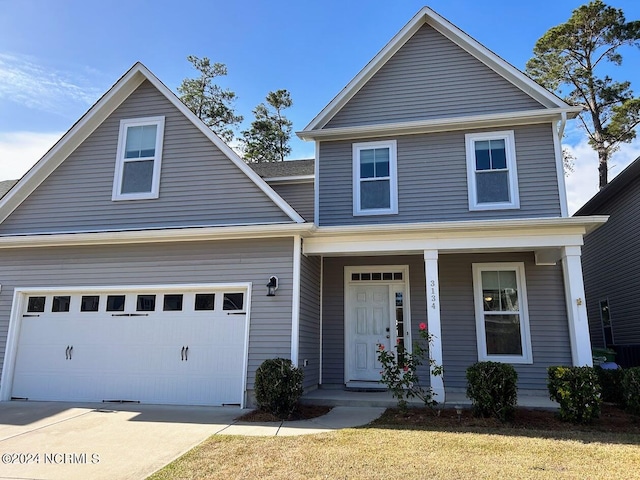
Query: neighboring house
[611,261]
[134,257]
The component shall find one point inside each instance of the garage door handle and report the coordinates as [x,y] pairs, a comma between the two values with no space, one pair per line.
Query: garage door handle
[70,352]
[182,355]
[66,353]
[186,354]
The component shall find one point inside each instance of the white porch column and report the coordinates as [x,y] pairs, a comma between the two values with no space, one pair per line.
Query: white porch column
[576,307]
[433,319]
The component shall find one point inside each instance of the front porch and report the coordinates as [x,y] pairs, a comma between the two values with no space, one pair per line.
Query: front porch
[348,398]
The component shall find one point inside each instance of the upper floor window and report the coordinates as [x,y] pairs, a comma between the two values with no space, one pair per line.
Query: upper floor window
[375,184]
[491,171]
[137,174]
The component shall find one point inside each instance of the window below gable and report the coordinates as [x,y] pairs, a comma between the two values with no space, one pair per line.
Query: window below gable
[491,171]
[375,184]
[139,157]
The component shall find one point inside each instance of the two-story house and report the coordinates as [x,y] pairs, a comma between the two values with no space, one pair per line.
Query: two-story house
[135,255]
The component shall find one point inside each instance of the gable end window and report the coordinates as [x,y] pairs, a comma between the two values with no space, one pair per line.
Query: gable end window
[137,174]
[502,318]
[375,182]
[492,177]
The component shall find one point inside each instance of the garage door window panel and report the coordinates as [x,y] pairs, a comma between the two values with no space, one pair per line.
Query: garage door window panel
[115,303]
[36,304]
[172,303]
[233,301]
[146,303]
[61,303]
[89,303]
[205,301]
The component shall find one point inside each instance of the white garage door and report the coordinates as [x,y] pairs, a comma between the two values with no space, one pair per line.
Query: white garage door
[171,346]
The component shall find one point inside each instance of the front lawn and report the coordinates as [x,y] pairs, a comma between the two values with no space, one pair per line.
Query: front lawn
[404,447]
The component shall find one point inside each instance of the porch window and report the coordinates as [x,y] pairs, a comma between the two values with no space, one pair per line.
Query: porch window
[502,320]
[375,185]
[491,171]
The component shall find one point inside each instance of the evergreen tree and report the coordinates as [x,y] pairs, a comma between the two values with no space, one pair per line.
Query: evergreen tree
[569,58]
[268,138]
[212,104]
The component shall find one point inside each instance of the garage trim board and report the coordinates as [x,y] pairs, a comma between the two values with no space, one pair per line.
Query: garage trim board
[168,344]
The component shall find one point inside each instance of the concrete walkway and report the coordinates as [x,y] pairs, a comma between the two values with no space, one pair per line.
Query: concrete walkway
[56,440]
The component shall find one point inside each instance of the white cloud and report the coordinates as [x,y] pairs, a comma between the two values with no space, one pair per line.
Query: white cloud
[35,86]
[19,151]
[582,184]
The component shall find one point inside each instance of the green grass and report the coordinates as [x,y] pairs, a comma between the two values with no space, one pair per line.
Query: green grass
[406,452]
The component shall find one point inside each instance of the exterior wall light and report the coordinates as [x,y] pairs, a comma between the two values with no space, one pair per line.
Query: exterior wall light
[272,286]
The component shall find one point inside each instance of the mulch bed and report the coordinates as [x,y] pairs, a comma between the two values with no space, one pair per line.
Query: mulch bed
[302,412]
[612,419]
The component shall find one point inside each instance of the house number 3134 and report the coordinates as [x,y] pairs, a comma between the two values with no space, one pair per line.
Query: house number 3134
[432,285]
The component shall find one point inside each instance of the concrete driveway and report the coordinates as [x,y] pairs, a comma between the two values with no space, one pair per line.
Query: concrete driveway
[54,440]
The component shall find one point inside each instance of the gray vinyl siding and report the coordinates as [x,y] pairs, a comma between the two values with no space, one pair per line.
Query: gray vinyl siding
[333,308]
[611,267]
[430,77]
[432,179]
[299,195]
[199,185]
[198,262]
[547,318]
[309,337]
[547,314]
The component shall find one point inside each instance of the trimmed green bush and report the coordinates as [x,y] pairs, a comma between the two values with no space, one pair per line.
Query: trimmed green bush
[577,390]
[611,385]
[631,389]
[492,388]
[278,386]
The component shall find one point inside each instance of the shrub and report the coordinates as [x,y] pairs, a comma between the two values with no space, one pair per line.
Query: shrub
[492,388]
[631,389]
[278,386]
[577,390]
[611,385]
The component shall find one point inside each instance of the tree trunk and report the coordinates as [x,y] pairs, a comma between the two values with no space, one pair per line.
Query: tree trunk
[603,168]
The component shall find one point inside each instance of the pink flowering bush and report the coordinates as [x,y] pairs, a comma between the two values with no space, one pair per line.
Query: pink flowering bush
[400,370]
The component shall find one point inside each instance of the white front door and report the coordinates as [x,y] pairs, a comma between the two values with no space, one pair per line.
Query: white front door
[376,314]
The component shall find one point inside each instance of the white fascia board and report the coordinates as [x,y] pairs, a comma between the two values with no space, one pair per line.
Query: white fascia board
[451,236]
[291,179]
[525,117]
[188,234]
[119,92]
[453,33]
[77,134]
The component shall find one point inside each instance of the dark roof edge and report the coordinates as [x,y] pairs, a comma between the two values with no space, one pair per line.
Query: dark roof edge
[611,189]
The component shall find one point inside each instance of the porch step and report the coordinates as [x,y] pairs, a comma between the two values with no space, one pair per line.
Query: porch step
[347,398]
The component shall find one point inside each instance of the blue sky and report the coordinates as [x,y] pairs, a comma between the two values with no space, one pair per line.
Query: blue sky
[58,57]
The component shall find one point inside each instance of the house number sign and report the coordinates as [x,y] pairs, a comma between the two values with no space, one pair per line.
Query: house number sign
[433,297]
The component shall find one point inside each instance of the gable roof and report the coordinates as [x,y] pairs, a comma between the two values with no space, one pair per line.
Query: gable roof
[300,169]
[5,186]
[613,188]
[552,103]
[119,92]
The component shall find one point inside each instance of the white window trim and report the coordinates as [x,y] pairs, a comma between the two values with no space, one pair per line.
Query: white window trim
[393,178]
[120,160]
[525,332]
[510,150]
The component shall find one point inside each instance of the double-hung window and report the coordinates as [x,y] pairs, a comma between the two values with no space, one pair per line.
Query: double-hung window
[502,320]
[139,157]
[375,184]
[491,171]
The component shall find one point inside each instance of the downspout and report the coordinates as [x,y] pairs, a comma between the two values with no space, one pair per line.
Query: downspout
[295,303]
[562,187]
[563,123]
